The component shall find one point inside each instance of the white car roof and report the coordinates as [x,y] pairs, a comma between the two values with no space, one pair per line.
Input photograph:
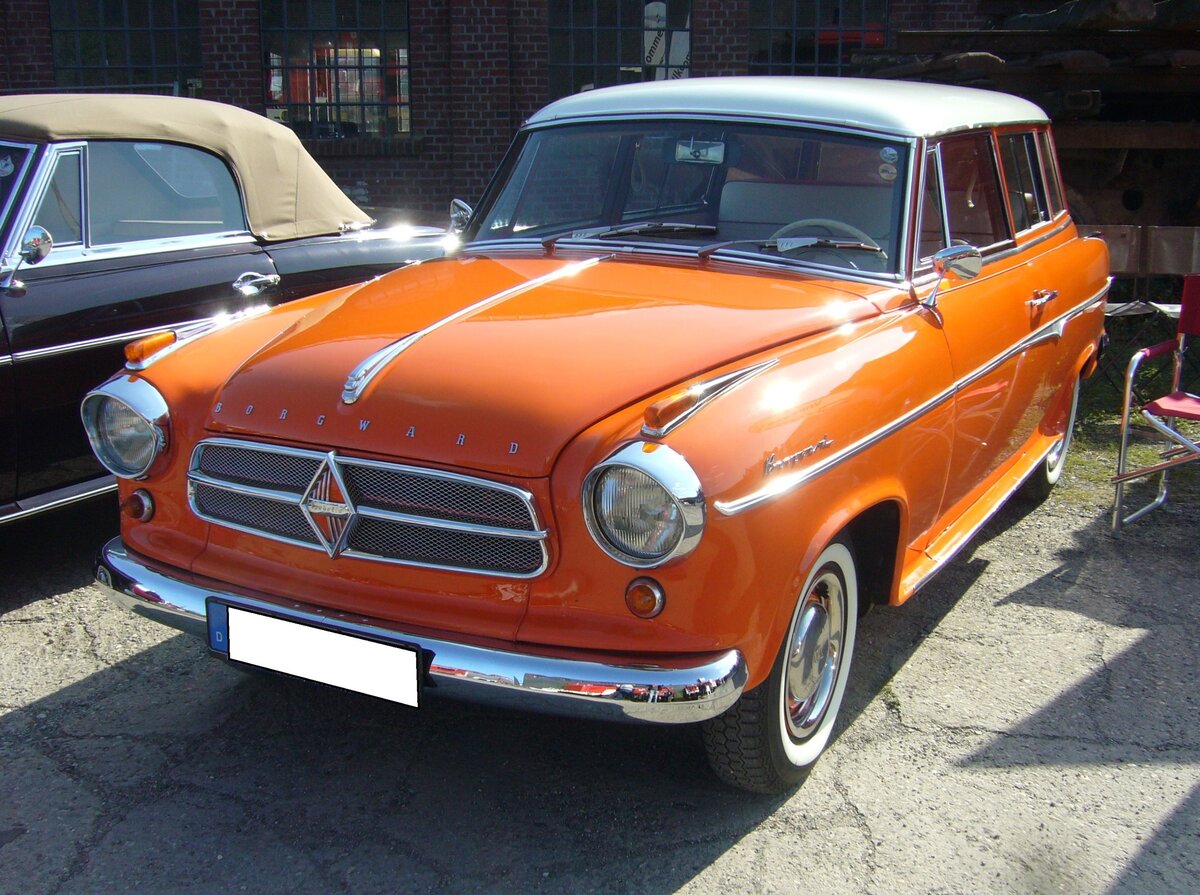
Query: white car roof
[905,108]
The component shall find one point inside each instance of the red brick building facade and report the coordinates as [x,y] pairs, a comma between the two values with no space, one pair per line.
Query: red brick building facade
[475,71]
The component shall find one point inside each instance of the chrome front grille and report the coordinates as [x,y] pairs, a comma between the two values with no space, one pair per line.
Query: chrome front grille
[366,509]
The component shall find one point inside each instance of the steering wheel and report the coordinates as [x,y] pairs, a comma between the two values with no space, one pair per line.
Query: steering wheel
[834,228]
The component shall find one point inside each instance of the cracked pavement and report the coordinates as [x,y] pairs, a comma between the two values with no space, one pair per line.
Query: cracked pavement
[1028,723]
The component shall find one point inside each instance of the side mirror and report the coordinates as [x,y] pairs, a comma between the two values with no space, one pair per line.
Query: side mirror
[36,245]
[964,262]
[34,248]
[460,215]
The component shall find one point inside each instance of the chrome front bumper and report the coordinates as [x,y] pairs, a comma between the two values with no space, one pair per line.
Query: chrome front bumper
[659,690]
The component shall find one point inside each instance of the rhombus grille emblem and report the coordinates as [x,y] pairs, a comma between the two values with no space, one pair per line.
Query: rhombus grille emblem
[328,508]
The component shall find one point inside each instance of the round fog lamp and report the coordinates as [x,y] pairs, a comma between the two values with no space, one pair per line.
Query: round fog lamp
[645,598]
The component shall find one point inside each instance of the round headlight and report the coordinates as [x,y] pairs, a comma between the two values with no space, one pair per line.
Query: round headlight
[126,430]
[644,505]
[635,513]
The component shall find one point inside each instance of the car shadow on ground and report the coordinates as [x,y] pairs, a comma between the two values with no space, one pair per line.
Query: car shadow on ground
[1139,707]
[166,761]
[167,769]
[55,549]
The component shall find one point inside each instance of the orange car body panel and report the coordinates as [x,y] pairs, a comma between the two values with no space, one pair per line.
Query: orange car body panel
[535,389]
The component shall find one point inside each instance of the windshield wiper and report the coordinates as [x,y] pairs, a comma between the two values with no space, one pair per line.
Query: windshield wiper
[791,243]
[638,228]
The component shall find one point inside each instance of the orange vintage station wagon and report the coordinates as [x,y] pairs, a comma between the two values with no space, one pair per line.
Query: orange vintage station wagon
[718,364]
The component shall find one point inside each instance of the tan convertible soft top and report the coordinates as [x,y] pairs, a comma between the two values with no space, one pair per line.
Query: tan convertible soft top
[287,194]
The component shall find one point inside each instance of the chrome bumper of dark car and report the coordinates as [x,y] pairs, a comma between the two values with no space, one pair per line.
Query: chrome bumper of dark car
[656,690]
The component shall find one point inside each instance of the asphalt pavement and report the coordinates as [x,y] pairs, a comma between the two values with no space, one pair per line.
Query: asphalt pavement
[1027,723]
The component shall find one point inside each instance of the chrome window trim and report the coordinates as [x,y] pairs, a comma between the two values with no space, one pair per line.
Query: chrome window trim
[928,274]
[77,254]
[913,143]
[41,182]
[296,499]
[726,256]
[785,484]
[20,175]
[671,471]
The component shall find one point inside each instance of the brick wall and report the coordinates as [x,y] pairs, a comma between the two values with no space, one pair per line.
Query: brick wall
[231,53]
[931,15]
[27,61]
[478,69]
[720,41]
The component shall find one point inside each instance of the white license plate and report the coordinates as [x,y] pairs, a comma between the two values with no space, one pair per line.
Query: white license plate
[342,660]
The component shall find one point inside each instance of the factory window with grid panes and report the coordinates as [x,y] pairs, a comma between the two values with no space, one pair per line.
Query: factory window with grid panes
[813,37]
[143,46]
[338,68]
[599,43]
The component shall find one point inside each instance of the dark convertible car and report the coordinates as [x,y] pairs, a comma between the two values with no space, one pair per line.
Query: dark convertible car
[163,213]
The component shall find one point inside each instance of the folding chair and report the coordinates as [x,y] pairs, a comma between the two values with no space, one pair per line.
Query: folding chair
[1164,413]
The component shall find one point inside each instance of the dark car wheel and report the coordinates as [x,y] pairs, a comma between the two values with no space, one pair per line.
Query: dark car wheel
[772,736]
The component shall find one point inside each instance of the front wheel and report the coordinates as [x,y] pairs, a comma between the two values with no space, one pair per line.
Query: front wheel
[770,738]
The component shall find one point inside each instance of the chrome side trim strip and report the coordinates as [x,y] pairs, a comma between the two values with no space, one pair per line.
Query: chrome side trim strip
[362,375]
[59,498]
[784,484]
[117,339]
[655,689]
[5,360]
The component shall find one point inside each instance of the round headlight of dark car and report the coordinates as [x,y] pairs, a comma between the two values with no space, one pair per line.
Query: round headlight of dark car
[644,505]
[126,425]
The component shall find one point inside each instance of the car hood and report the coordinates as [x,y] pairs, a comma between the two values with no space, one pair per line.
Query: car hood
[504,360]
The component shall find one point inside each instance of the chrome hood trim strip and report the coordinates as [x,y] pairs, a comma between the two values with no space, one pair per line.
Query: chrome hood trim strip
[776,487]
[708,391]
[366,372]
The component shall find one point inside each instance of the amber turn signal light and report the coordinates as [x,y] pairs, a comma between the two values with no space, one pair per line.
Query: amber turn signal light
[662,413]
[645,598]
[139,505]
[137,352]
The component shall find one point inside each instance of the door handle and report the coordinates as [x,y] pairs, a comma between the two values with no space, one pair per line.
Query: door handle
[1042,297]
[251,284]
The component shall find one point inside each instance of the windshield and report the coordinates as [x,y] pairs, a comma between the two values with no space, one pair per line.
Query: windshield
[12,169]
[806,194]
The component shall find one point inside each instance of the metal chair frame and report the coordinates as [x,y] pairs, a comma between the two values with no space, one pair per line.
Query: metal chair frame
[1161,414]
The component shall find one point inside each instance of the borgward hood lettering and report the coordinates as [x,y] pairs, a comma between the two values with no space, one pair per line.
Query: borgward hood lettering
[494,364]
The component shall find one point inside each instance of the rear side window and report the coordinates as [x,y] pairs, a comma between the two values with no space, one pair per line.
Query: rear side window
[974,209]
[1023,181]
[140,191]
[1050,167]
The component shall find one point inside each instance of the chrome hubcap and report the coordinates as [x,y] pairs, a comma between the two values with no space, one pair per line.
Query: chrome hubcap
[814,655]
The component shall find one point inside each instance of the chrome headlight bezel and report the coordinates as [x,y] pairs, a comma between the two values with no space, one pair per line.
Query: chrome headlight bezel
[680,485]
[145,402]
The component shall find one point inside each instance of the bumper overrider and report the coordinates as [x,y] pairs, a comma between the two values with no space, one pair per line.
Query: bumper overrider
[659,690]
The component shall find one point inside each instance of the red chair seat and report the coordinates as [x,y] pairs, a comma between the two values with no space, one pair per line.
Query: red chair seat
[1180,405]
